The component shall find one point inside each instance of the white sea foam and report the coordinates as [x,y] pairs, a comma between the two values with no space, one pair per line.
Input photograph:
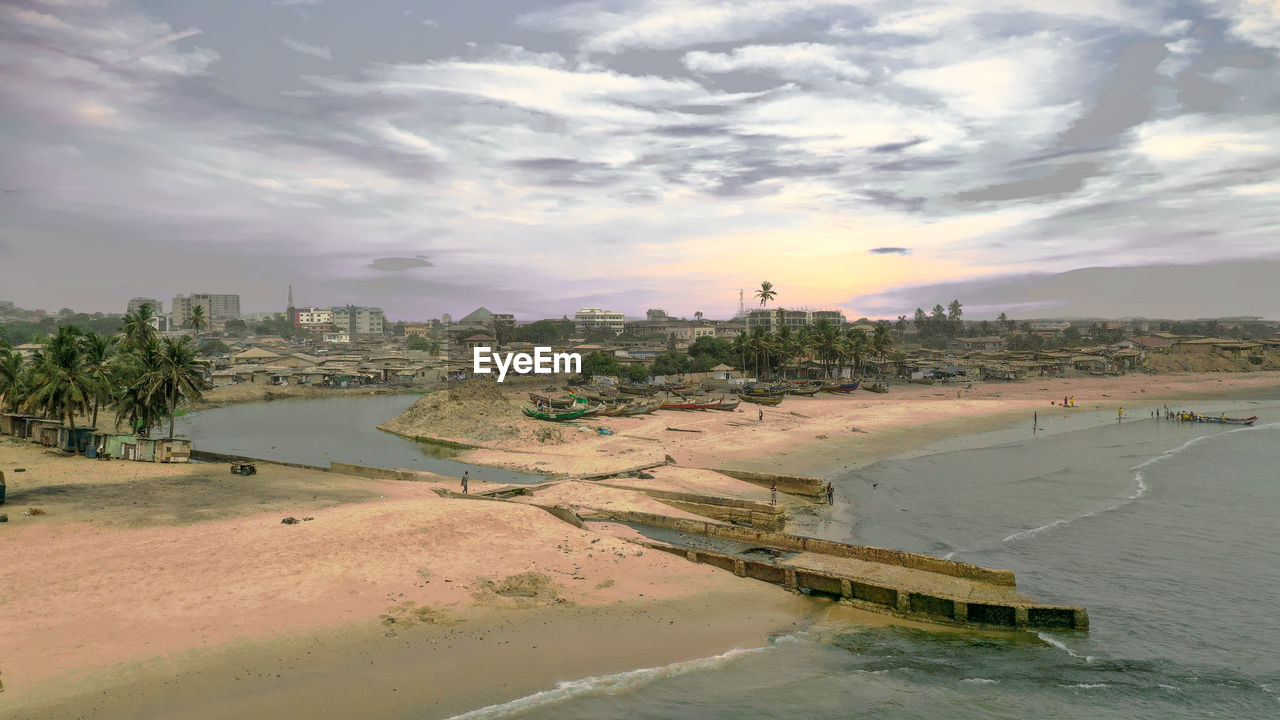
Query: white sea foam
[978,681]
[1061,646]
[603,685]
[1087,686]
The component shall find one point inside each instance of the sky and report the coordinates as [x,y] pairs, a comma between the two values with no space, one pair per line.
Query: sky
[1046,159]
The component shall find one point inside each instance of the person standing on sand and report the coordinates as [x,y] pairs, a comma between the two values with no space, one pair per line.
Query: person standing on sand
[465,478]
[1119,414]
[773,494]
[761,419]
[831,494]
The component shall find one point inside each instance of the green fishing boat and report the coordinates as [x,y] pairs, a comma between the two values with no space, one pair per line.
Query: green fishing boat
[555,415]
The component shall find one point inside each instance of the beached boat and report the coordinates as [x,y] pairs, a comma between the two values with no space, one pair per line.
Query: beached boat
[769,400]
[712,405]
[640,409]
[556,402]
[726,404]
[803,390]
[1225,420]
[841,388]
[876,387]
[645,390]
[555,415]
[681,404]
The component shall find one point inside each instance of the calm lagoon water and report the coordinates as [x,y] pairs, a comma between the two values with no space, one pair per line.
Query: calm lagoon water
[320,431]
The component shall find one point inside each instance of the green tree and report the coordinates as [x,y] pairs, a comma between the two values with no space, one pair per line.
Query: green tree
[12,379]
[137,327]
[921,322]
[197,322]
[235,327]
[717,349]
[900,326]
[61,383]
[1005,322]
[598,363]
[881,339]
[176,378]
[99,358]
[639,372]
[857,347]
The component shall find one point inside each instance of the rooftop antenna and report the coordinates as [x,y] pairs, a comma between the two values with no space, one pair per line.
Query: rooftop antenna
[742,305]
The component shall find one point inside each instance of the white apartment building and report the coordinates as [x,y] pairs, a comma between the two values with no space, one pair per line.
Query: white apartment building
[777,318]
[588,319]
[310,317]
[217,308]
[138,302]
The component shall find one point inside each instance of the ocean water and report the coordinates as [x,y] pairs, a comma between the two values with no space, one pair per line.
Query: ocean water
[1168,532]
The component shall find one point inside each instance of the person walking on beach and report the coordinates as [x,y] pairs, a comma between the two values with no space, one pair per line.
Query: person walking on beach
[773,494]
[831,494]
[761,418]
[1119,414]
[465,481]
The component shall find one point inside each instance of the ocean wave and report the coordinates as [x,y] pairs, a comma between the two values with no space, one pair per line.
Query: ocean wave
[1062,646]
[604,685]
[978,681]
[1087,686]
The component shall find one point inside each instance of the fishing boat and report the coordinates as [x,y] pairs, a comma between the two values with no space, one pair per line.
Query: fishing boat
[594,410]
[726,404]
[841,388]
[640,409]
[709,405]
[555,415]
[638,389]
[613,409]
[556,402]
[770,400]
[681,404]
[1225,420]
[876,387]
[803,390]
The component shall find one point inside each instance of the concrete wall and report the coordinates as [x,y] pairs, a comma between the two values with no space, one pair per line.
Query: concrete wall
[759,515]
[800,543]
[790,484]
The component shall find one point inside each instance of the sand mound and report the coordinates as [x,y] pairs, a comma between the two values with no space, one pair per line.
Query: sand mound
[1207,363]
[475,412]
[528,589]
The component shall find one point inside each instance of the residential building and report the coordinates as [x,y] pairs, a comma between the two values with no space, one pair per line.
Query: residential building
[156,307]
[417,329]
[777,318]
[217,308]
[972,344]
[358,321]
[255,356]
[1051,326]
[655,314]
[337,337]
[313,318]
[588,319]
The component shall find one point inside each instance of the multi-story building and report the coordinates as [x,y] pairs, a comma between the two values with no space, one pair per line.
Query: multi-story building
[313,318]
[135,303]
[217,308]
[589,319]
[777,318]
[356,320]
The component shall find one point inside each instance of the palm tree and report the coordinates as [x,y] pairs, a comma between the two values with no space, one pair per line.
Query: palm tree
[137,328]
[825,343]
[12,385]
[857,346]
[61,383]
[766,293]
[882,339]
[176,377]
[98,358]
[197,321]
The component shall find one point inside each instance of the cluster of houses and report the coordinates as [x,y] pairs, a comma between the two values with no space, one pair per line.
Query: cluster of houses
[260,364]
[87,441]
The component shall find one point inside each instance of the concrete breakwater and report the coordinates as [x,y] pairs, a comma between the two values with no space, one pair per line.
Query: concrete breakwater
[899,583]
[789,484]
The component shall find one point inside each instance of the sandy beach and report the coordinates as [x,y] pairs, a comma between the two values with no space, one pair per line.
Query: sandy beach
[138,588]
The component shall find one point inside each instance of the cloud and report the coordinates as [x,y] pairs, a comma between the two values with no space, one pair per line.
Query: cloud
[890,251]
[397,264]
[797,61]
[320,51]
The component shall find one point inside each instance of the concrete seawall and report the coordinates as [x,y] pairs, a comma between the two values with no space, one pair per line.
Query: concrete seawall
[759,515]
[790,484]
[800,543]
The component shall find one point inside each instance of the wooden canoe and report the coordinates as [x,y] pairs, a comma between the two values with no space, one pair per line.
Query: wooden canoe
[556,416]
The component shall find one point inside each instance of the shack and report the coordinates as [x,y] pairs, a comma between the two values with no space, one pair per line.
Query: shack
[45,432]
[18,425]
[74,440]
[132,447]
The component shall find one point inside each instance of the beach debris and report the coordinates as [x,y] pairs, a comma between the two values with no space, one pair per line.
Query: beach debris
[4,517]
[307,519]
[291,520]
[819,437]
[683,430]
[34,511]
[857,430]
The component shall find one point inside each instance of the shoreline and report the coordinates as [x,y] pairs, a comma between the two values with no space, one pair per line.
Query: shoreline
[205,558]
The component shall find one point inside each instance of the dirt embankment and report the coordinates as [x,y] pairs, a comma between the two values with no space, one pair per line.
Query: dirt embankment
[473,412]
[1208,363]
[249,392]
